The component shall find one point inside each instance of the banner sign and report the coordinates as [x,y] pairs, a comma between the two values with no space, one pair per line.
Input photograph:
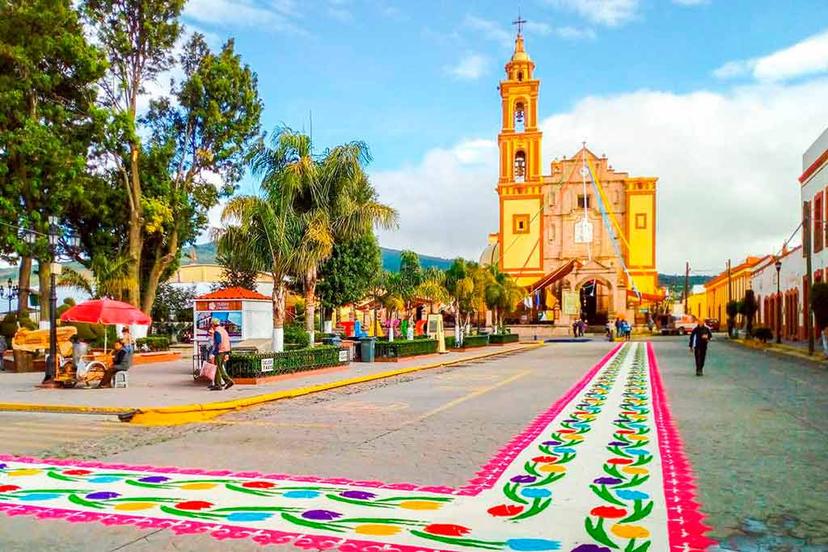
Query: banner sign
[570,303]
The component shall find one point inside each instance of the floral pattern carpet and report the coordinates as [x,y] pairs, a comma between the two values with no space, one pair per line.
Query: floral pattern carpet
[602,470]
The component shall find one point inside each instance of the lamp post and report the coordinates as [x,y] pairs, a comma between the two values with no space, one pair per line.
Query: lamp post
[10,292]
[778,266]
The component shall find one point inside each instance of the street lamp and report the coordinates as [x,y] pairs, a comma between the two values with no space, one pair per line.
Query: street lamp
[70,243]
[10,292]
[778,266]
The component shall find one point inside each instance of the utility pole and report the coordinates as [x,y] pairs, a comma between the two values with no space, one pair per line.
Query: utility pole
[686,285]
[806,249]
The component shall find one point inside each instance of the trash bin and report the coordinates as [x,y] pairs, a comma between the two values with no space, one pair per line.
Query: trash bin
[366,349]
[333,340]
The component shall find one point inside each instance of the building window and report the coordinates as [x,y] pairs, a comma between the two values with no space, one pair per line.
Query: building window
[583,200]
[641,221]
[819,215]
[520,117]
[520,224]
[520,166]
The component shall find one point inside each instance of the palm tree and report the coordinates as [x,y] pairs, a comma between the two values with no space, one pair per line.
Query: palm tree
[460,288]
[502,294]
[266,235]
[104,276]
[330,195]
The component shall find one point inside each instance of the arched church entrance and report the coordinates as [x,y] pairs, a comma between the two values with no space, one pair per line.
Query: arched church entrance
[595,302]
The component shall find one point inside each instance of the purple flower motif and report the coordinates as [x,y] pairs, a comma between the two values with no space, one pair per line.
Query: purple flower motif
[523,479]
[154,479]
[607,481]
[590,548]
[105,495]
[321,515]
[618,444]
[551,443]
[358,495]
[2,466]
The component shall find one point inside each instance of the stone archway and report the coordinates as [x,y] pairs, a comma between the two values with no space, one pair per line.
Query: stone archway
[595,295]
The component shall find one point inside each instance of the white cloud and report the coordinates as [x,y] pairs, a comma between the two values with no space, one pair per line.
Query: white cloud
[471,67]
[727,165]
[808,57]
[603,12]
[277,15]
[489,29]
[567,32]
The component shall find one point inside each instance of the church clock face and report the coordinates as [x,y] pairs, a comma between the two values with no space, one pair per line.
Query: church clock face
[583,231]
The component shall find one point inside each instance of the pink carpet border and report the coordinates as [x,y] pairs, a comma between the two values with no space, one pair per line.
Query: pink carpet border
[484,478]
[685,522]
[488,475]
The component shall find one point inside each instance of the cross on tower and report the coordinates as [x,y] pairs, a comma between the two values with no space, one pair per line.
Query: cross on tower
[519,23]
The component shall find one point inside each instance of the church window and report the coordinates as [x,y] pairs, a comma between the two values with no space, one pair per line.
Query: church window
[582,201]
[520,75]
[520,166]
[520,224]
[520,117]
[641,221]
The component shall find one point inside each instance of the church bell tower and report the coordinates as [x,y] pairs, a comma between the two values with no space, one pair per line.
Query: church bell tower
[520,240]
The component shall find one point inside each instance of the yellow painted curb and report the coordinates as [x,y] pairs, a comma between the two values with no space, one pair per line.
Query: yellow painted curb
[175,415]
[64,408]
[781,349]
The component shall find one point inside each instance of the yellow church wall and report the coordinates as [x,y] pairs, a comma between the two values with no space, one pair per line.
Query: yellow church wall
[641,230]
[521,251]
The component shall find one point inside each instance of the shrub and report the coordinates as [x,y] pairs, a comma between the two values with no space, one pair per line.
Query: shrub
[471,341]
[405,348]
[249,365]
[296,336]
[763,333]
[9,325]
[154,342]
[450,342]
[504,338]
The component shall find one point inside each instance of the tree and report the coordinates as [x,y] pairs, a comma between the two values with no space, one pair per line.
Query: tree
[330,195]
[460,288]
[731,309]
[169,160]
[345,277]
[502,294]
[749,308]
[104,276]
[48,76]
[236,269]
[173,302]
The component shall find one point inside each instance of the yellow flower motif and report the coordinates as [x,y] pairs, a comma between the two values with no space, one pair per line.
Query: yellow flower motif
[133,506]
[420,505]
[24,471]
[376,529]
[198,486]
[635,471]
[630,531]
[574,437]
[637,437]
[552,468]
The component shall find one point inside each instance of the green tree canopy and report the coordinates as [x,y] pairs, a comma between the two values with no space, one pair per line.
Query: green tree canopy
[345,277]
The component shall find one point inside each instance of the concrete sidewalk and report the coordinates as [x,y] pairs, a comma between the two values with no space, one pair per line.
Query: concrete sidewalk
[169,387]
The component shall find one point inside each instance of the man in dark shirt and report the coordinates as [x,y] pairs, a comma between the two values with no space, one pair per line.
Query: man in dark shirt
[120,362]
[699,338]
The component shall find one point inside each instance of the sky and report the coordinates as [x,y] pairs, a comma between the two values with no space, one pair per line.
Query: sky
[717,98]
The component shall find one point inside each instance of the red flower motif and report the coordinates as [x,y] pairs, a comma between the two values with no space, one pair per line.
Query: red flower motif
[566,431]
[194,505]
[625,431]
[8,488]
[446,529]
[619,461]
[258,485]
[545,459]
[77,472]
[608,512]
[505,510]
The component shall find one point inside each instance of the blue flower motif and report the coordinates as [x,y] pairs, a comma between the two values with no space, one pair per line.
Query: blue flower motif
[534,492]
[104,479]
[39,496]
[564,450]
[627,494]
[248,516]
[533,544]
[637,452]
[301,494]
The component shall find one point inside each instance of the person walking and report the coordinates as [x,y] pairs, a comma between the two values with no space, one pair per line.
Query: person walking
[699,339]
[221,352]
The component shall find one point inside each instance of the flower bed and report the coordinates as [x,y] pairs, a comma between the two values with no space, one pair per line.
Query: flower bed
[259,365]
[500,339]
[399,349]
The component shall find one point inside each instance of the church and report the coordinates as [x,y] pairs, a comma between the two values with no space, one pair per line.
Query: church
[580,238]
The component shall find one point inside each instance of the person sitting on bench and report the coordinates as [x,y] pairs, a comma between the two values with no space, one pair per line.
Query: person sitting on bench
[120,363]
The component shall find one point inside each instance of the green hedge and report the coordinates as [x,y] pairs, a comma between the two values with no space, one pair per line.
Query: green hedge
[247,365]
[405,348]
[154,342]
[503,338]
[475,341]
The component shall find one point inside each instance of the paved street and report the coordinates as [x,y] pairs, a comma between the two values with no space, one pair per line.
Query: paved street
[752,429]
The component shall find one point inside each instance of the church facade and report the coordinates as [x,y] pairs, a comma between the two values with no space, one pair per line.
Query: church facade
[581,238]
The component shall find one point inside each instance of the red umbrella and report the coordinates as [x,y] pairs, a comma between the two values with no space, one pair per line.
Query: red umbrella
[106,311]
